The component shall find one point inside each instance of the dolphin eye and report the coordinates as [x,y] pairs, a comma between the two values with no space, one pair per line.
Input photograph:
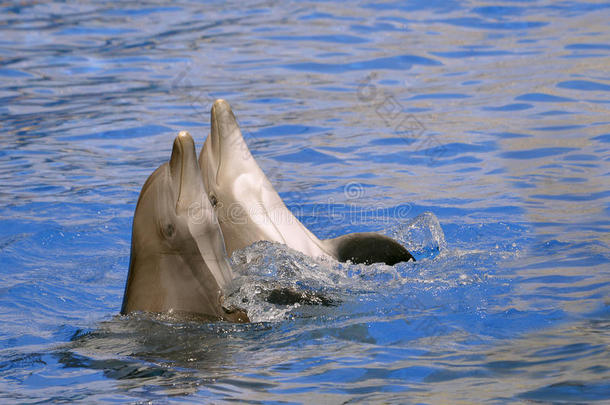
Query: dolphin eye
[169,230]
[213,200]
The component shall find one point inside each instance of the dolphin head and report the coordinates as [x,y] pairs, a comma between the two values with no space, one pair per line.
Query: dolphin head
[225,154]
[178,258]
[237,188]
[248,207]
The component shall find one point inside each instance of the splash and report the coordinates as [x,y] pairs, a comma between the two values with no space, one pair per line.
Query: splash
[264,268]
[422,236]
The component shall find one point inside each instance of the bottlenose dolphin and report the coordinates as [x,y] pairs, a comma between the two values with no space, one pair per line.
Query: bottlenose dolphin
[249,209]
[178,259]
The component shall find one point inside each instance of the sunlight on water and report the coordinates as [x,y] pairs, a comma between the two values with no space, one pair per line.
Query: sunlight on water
[477,134]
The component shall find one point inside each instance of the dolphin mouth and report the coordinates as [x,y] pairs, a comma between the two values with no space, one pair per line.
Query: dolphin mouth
[181,140]
[184,168]
[216,136]
[226,139]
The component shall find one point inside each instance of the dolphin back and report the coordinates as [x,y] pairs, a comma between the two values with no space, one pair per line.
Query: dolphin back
[367,248]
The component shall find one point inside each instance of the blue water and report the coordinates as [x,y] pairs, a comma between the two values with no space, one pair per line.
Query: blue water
[491,117]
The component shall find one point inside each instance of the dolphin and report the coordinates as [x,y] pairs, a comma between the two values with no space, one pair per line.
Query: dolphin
[249,209]
[178,261]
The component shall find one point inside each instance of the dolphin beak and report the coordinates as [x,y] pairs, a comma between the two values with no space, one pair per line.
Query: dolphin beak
[223,121]
[184,169]
[225,135]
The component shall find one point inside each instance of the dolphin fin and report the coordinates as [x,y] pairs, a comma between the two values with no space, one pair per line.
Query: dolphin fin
[367,248]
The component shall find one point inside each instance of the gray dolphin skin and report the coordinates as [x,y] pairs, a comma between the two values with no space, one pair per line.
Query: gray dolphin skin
[178,261]
[249,209]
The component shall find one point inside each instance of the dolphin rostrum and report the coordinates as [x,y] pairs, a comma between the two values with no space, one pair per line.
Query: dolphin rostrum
[178,259]
[249,209]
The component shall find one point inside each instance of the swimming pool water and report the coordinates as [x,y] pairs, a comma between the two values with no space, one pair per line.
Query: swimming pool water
[477,133]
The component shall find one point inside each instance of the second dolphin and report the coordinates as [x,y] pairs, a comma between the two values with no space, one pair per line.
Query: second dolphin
[249,209]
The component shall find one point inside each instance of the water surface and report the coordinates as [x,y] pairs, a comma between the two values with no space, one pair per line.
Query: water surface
[493,117]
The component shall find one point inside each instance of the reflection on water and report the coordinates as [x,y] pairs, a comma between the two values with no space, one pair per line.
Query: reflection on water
[493,117]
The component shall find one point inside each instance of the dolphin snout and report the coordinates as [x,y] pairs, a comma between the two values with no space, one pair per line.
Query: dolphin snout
[184,169]
[224,123]
[187,144]
[183,154]
[220,105]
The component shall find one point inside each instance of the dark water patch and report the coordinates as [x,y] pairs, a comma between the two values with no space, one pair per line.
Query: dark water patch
[499,11]
[571,391]
[594,260]
[285,130]
[579,8]
[585,85]
[402,62]
[573,289]
[392,141]
[585,46]
[337,38]
[468,169]
[471,53]
[439,96]
[94,31]
[389,82]
[308,155]
[554,112]
[335,89]
[536,153]
[13,73]
[146,11]
[432,157]
[188,124]
[581,157]
[135,132]
[554,128]
[598,101]
[479,23]
[510,107]
[574,180]
[584,56]
[555,279]
[377,27]
[319,15]
[605,138]
[437,6]
[271,100]
[510,135]
[458,149]
[542,97]
[340,149]
[573,197]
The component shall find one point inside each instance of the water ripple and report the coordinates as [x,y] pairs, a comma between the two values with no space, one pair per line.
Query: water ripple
[488,116]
